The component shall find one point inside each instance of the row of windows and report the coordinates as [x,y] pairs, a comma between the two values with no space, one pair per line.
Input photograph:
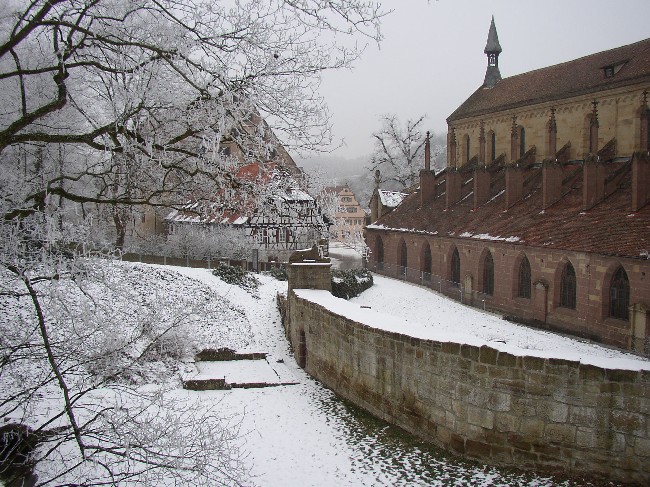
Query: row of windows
[492,148]
[619,286]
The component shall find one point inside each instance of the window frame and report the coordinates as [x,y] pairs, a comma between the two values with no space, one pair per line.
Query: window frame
[524,279]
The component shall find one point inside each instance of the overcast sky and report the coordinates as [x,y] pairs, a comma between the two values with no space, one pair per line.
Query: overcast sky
[432,56]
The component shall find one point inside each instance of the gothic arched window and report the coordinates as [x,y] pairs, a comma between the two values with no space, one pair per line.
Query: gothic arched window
[522,142]
[403,258]
[455,268]
[568,287]
[488,274]
[619,295]
[523,288]
[426,263]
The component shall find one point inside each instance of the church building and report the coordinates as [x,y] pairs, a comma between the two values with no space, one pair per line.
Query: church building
[543,211]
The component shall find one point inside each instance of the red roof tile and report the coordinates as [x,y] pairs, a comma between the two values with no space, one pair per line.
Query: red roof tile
[609,228]
[581,76]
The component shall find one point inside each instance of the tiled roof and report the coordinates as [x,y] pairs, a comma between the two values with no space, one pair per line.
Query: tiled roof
[573,78]
[609,228]
[237,207]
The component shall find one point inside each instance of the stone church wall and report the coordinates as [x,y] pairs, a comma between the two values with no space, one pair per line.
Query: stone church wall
[527,412]
[590,319]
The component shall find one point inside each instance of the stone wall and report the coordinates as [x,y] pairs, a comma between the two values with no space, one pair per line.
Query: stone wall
[527,412]
[590,319]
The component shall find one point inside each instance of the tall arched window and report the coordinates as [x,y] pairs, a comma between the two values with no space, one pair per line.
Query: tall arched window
[467,148]
[493,147]
[455,268]
[488,274]
[379,249]
[619,295]
[403,258]
[426,262]
[523,288]
[568,287]
[522,142]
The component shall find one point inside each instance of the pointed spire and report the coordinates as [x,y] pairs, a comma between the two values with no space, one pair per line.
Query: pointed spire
[492,49]
[492,45]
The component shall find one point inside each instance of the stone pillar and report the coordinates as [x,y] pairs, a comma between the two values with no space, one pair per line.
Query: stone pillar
[644,143]
[427,154]
[451,151]
[427,186]
[481,186]
[639,322]
[593,129]
[593,182]
[514,185]
[514,142]
[552,136]
[640,180]
[306,269]
[551,183]
[453,187]
[481,145]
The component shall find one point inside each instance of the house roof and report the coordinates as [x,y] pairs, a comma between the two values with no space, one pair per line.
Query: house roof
[239,206]
[631,64]
[609,228]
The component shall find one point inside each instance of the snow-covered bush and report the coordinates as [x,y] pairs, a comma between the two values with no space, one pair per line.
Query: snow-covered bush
[236,276]
[278,273]
[350,283]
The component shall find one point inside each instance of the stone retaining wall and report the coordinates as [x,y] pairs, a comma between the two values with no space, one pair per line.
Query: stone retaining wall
[527,412]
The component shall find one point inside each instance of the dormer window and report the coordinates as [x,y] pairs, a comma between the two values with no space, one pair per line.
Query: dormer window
[612,69]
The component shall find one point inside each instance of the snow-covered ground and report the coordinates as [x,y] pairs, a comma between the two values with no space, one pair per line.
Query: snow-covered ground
[302,434]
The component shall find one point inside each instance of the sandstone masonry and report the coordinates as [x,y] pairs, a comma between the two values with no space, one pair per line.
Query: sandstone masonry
[527,412]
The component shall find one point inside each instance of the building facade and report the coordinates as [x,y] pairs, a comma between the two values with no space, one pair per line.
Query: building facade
[542,212]
[349,218]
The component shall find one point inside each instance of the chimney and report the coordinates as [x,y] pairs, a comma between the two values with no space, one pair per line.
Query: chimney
[514,185]
[640,180]
[593,182]
[551,183]
[453,186]
[481,186]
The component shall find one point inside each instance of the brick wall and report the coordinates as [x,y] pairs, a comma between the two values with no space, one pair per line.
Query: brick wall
[527,412]
[590,318]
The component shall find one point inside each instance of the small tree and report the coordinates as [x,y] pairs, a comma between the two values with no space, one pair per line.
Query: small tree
[399,151]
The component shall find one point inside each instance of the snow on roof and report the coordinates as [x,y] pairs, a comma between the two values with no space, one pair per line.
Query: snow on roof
[391,198]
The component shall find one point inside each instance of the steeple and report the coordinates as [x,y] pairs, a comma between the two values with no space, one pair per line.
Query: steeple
[492,49]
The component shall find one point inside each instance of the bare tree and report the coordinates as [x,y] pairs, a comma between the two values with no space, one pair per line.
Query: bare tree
[399,151]
[111,105]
